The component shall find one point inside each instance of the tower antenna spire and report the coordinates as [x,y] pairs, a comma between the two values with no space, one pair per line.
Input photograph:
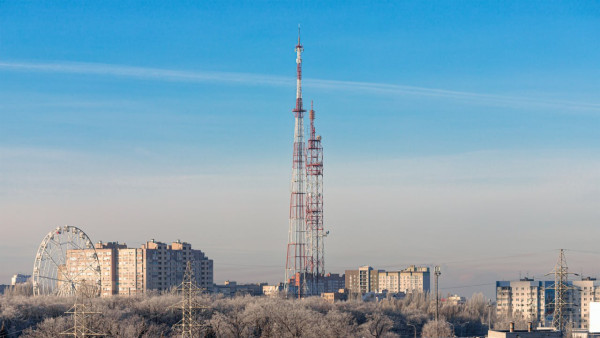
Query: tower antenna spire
[297,250]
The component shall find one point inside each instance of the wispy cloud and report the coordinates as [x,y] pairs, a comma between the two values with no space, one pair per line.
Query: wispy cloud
[160,74]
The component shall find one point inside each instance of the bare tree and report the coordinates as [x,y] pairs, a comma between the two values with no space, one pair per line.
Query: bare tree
[439,328]
[377,325]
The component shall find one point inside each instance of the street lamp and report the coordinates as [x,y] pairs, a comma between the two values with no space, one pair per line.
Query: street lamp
[452,329]
[414,328]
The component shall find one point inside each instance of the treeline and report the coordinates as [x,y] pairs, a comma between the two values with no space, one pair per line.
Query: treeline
[153,315]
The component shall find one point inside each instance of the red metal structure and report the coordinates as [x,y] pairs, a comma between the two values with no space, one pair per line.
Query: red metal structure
[297,253]
[314,209]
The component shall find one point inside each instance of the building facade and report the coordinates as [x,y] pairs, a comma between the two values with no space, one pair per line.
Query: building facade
[154,266]
[19,279]
[363,280]
[533,300]
[333,282]
[412,279]
[526,299]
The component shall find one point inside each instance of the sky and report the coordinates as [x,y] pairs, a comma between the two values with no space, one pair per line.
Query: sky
[459,134]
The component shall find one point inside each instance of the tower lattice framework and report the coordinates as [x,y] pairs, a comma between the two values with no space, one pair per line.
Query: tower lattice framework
[189,291]
[296,261]
[314,209]
[561,287]
[81,315]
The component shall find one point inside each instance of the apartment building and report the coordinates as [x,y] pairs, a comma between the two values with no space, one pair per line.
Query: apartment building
[533,300]
[153,266]
[525,298]
[584,292]
[333,282]
[411,279]
[363,280]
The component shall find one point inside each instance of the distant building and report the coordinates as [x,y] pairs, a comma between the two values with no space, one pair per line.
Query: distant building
[584,292]
[272,290]
[412,279]
[19,279]
[533,300]
[231,288]
[415,279]
[529,333]
[366,279]
[154,266]
[525,298]
[332,282]
[363,280]
[332,297]
[456,300]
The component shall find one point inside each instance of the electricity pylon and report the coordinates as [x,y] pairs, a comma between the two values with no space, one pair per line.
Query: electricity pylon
[561,287]
[80,314]
[188,325]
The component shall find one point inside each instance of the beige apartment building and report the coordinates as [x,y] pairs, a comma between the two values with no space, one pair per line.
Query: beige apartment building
[366,279]
[154,266]
[411,279]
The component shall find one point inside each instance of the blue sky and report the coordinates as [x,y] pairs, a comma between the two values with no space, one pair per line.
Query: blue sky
[448,122]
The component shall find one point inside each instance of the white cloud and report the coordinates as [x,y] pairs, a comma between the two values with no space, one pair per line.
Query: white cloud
[160,74]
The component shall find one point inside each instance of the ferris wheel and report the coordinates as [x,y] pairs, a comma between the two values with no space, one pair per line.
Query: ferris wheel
[66,263]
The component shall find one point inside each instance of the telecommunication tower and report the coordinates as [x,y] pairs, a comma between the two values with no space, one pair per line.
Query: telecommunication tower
[314,208]
[296,261]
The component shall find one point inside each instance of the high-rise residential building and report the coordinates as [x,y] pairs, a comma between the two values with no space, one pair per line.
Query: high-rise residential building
[584,292]
[363,280]
[526,299]
[333,282]
[533,300]
[154,266]
[411,279]
[366,279]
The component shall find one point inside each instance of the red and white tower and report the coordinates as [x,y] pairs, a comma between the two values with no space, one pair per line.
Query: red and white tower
[297,251]
[314,208]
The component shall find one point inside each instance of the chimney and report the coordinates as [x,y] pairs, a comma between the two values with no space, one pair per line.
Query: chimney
[512,327]
[529,326]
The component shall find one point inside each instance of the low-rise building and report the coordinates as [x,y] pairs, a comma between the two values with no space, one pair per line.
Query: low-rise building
[332,297]
[19,279]
[529,333]
[272,290]
[232,288]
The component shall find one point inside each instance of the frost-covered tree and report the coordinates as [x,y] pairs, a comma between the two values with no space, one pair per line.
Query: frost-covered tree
[437,328]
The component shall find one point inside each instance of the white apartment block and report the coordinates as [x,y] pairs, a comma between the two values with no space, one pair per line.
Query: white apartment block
[412,279]
[533,300]
[583,293]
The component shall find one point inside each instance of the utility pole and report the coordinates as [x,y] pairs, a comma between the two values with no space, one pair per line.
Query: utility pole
[437,272]
[489,315]
[188,289]
[409,324]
